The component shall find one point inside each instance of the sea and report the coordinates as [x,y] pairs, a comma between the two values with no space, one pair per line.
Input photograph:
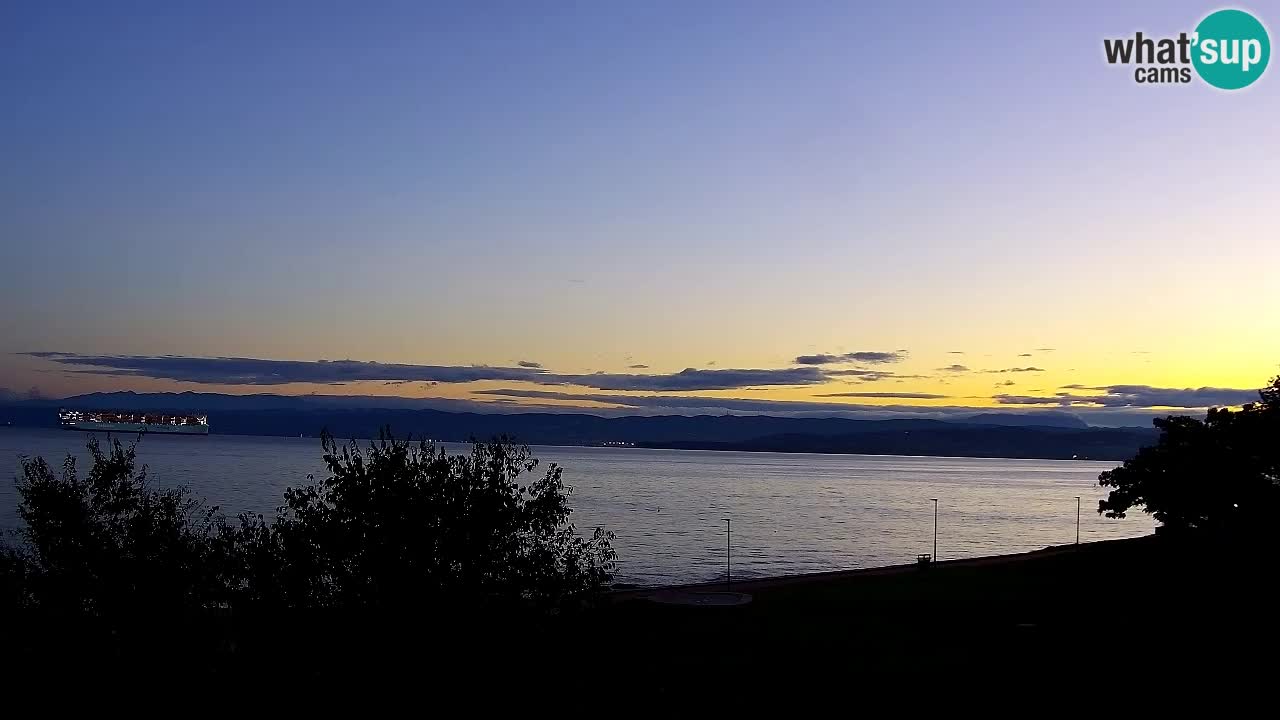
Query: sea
[691,516]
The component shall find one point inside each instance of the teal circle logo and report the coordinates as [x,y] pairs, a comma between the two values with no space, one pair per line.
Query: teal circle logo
[1231,49]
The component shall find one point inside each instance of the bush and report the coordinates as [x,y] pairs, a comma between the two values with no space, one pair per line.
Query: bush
[109,544]
[395,525]
[400,523]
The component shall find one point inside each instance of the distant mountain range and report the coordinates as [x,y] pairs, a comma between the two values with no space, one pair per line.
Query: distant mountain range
[1038,435]
[955,440]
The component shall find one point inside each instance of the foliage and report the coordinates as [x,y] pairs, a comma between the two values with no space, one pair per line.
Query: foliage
[109,543]
[395,525]
[405,523]
[1220,473]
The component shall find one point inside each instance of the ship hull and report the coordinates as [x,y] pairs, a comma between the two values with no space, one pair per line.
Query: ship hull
[132,428]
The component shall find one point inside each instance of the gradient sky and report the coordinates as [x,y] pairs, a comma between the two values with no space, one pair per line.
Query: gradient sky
[592,186]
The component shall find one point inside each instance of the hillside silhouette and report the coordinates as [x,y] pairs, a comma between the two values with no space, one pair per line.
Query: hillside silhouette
[1049,435]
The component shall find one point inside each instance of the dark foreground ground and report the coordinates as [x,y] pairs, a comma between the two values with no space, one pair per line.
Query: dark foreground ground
[1152,607]
[1102,615]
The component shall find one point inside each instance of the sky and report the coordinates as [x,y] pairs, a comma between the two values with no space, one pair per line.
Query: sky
[658,206]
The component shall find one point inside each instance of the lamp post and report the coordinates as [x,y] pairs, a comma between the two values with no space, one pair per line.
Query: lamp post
[728,553]
[1077,519]
[935,529]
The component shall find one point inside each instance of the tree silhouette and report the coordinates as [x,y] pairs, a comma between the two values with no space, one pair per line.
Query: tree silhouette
[1221,473]
[395,525]
[109,543]
[400,523]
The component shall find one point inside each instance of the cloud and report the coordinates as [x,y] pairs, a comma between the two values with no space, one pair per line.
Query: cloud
[818,359]
[1004,399]
[639,366]
[1006,383]
[1138,396]
[903,395]
[955,352]
[529,364]
[965,368]
[1024,355]
[1045,349]
[862,356]
[701,403]
[692,379]
[254,371]
[872,375]
[1147,396]
[669,402]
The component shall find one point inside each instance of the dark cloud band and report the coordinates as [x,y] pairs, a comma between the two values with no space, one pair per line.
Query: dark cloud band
[687,403]
[255,371]
[964,369]
[872,375]
[1138,396]
[862,356]
[900,395]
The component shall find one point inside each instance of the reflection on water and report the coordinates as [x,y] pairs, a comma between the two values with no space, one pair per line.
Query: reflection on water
[791,513]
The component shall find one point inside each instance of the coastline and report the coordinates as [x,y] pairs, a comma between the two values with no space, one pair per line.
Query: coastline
[758,584]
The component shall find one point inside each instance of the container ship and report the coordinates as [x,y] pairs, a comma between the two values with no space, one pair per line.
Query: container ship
[133,422]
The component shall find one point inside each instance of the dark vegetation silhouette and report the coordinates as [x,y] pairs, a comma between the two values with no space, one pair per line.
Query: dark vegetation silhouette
[463,573]
[401,524]
[107,543]
[396,528]
[1220,474]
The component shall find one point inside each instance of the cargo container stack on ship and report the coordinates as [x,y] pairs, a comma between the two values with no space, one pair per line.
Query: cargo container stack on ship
[124,421]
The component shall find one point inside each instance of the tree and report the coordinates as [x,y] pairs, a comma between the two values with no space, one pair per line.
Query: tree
[401,523]
[1221,473]
[1271,396]
[109,544]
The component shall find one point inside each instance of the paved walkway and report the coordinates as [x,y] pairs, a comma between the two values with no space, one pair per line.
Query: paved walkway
[749,586]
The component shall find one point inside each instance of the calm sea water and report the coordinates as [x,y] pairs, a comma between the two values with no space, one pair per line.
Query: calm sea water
[791,513]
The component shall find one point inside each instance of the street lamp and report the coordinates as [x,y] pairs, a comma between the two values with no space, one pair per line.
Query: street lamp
[935,529]
[728,553]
